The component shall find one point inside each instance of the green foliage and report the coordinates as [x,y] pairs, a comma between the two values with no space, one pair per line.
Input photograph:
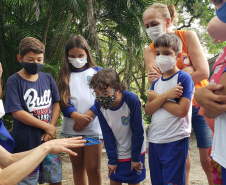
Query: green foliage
[114,30]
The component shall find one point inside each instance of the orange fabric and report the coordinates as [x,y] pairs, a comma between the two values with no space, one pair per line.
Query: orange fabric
[185,60]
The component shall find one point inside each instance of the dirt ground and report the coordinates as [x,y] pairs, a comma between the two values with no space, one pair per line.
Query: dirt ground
[197,175]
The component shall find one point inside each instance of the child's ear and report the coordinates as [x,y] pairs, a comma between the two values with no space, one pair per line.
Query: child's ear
[19,58]
[168,22]
[179,55]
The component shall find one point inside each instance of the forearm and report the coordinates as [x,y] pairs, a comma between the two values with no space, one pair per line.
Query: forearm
[90,113]
[212,114]
[55,114]
[152,106]
[14,173]
[198,76]
[28,119]
[177,109]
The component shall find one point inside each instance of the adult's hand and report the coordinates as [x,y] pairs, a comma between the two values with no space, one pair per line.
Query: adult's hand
[63,145]
[205,97]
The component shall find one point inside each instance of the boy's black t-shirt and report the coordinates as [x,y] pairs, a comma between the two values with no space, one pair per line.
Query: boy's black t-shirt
[37,99]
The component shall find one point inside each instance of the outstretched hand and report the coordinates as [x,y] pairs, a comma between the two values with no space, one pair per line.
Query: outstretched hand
[63,145]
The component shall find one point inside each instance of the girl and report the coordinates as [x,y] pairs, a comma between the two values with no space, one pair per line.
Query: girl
[119,112]
[158,19]
[77,105]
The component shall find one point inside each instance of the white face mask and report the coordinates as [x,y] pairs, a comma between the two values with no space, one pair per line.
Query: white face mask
[154,32]
[165,63]
[78,62]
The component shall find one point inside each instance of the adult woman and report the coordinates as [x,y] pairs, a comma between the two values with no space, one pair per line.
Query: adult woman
[158,19]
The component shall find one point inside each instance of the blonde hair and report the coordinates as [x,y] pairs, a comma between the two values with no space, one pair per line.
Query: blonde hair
[165,11]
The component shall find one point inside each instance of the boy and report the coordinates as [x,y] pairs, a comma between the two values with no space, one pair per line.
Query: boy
[33,100]
[169,103]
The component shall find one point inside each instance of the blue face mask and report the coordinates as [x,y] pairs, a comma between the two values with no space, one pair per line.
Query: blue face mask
[221,13]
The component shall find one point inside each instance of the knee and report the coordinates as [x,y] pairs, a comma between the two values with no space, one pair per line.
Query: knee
[206,164]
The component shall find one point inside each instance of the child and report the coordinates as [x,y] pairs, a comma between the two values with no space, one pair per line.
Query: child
[76,104]
[33,100]
[169,103]
[119,112]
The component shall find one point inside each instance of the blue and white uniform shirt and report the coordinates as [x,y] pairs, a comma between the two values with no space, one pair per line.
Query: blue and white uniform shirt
[81,101]
[166,127]
[123,129]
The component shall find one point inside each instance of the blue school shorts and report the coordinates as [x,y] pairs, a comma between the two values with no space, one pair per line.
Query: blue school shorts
[124,174]
[49,171]
[202,131]
[167,162]
[223,170]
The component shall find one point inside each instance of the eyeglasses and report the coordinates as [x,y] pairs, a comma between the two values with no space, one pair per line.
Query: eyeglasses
[104,95]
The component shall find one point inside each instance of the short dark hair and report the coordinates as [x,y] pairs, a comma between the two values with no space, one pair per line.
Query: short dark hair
[29,44]
[169,40]
[105,78]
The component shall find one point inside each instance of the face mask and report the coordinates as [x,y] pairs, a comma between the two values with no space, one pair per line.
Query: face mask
[32,68]
[221,13]
[78,62]
[165,63]
[154,32]
[106,101]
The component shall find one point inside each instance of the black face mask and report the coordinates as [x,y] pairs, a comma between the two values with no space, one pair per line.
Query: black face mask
[32,68]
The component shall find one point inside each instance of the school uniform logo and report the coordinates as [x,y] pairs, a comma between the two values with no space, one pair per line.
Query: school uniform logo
[125,120]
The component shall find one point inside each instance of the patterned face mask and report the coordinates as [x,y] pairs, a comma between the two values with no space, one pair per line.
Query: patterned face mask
[106,101]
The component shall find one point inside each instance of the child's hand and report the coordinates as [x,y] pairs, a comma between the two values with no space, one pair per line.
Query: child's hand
[111,168]
[137,166]
[82,120]
[51,130]
[78,128]
[46,137]
[152,95]
[175,92]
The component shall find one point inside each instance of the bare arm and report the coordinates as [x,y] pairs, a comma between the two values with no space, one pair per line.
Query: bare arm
[209,101]
[28,119]
[155,101]
[55,113]
[216,29]
[149,59]
[212,114]
[178,109]
[13,173]
[198,59]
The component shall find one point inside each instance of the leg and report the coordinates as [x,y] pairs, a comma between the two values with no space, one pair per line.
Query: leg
[78,166]
[204,141]
[92,156]
[154,164]
[206,164]
[173,159]
[115,183]
[187,171]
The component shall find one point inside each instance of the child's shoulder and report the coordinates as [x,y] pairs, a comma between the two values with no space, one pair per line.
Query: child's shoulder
[129,96]
[184,75]
[98,68]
